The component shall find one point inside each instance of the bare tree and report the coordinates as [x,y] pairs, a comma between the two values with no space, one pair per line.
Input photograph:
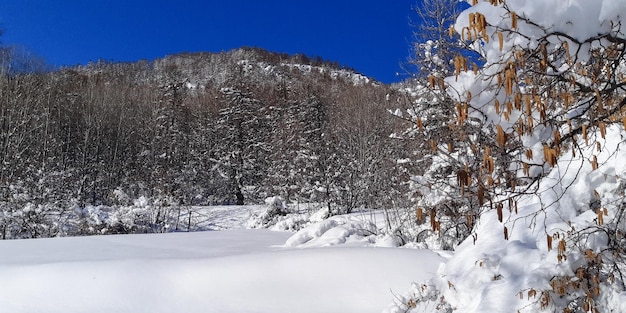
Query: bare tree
[433,46]
[542,91]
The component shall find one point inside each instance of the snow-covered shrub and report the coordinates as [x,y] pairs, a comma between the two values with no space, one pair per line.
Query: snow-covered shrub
[143,216]
[120,197]
[24,214]
[333,231]
[92,219]
[147,215]
[276,208]
[547,185]
[562,250]
[280,216]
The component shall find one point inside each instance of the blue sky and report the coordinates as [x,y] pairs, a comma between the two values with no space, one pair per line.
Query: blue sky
[371,36]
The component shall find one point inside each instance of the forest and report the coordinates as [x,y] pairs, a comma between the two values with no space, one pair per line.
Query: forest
[194,129]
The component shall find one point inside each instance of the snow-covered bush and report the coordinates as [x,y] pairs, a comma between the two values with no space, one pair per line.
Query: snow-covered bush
[24,214]
[281,216]
[562,249]
[548,183]
[333,231]
[276,208]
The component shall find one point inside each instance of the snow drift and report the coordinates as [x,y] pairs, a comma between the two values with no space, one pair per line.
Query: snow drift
[223,271]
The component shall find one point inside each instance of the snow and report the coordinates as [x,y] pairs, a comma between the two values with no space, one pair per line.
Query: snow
[234,270]
[353,229]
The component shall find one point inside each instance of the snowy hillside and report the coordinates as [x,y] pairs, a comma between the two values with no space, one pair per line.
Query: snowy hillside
[118,145]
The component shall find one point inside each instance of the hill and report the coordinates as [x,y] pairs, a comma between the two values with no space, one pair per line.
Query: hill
[194,129]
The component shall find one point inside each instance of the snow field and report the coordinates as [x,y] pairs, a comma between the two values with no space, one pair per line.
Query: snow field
[219,271]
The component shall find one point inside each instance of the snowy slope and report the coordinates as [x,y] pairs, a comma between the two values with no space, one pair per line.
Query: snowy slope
[219,271]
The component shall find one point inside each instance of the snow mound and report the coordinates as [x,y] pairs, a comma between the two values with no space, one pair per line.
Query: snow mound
[335,230]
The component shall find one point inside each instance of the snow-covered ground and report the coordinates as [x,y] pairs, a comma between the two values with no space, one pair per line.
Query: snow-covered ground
[232,270]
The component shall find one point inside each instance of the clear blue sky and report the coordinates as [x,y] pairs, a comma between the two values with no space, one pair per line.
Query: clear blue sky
[371,36]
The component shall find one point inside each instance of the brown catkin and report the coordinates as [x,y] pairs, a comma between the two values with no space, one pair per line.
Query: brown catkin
[499,212]
[600,219]
[594,163]
[549,239]
[501,136]
[602,127]
[513,20]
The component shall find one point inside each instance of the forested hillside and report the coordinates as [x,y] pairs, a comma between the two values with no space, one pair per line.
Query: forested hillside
[195,129]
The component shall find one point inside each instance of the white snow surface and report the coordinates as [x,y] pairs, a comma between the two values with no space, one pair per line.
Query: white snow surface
[234,270]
